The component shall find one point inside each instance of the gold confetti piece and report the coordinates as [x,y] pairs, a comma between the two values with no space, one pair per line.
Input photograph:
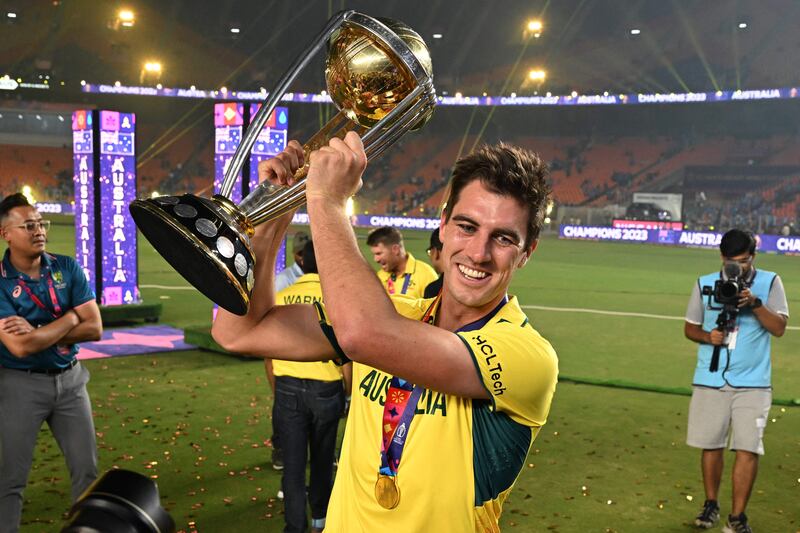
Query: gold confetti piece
[609,502]
[689,497]
[531,465]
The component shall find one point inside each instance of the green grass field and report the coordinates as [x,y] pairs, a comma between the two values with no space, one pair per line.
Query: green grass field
[609,459]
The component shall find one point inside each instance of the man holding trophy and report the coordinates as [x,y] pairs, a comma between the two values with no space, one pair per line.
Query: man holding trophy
[442,417]
[449,392]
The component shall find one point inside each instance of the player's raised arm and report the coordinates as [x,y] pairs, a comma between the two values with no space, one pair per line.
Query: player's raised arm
[267,330]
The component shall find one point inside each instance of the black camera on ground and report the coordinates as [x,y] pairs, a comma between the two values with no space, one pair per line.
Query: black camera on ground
[727,291]
[120,501]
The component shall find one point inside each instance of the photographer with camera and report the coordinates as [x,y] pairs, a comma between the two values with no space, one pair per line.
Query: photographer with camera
[732,315]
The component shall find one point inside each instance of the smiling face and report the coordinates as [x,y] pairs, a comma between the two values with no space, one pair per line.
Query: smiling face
[21,242]
[484,244]
[388,257]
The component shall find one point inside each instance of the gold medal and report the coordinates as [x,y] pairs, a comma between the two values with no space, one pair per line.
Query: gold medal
[386,492]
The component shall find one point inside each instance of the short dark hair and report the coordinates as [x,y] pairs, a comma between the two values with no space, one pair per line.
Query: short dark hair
[309,259]
[385,235]
[509,171]
[736,242]
[436,242]
[10,202]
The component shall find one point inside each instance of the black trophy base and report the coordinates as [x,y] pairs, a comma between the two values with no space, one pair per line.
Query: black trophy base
[190,233]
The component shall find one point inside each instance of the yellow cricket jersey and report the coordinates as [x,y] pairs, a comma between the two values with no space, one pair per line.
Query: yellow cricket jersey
[412,282]
[306,290]
[462,456]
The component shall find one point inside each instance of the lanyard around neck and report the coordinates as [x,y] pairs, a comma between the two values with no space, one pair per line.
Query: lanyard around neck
[56,310]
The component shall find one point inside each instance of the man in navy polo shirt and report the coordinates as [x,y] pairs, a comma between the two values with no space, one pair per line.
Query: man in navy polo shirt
[46,306]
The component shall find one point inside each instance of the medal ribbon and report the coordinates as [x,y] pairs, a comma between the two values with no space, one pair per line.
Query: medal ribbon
[398,412]
[402,398]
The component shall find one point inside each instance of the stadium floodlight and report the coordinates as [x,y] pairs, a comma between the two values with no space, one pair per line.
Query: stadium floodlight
[537,74]
[126,17]
[11,15]
[636,31]
[153,67]
[27,192]
[533,27]
[235,30]
[437,36]
[742,25]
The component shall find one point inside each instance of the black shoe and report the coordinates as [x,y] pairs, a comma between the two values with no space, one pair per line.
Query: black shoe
[277,459]
[737,524]
[709,516]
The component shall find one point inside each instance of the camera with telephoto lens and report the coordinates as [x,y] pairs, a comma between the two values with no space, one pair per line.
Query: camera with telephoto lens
[120,501]
[727,291]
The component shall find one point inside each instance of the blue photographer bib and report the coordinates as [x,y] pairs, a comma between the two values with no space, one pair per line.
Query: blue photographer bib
[747,362]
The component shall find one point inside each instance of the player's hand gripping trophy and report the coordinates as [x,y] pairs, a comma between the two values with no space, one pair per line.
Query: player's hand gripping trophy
[378,74]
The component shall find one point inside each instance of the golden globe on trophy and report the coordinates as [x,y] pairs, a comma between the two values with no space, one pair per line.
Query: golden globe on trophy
[378,74]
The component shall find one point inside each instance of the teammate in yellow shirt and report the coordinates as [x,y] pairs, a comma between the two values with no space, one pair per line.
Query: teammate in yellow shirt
[448,393]
[401,272]
[309,400]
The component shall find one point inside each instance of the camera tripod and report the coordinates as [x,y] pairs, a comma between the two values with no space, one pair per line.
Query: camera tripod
[726,322]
